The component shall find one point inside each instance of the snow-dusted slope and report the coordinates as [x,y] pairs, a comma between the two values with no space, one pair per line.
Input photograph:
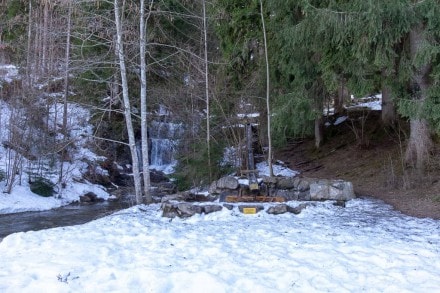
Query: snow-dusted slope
[21,198]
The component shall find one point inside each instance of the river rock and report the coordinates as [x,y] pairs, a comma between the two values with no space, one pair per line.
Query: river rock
[90,197]
[181,210]
[169,210]
[298,209]
[228,206]
[278,209]
[207,209]
[331,190]
[186,210]
[157,176]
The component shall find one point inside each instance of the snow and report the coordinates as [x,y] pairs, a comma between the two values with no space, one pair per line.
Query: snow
[365,247]
[278,169]
[340,119]
[8,73]
[21,198]
[166,169]
[373,102]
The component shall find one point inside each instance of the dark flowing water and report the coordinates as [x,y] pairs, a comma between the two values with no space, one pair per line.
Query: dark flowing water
[74,214]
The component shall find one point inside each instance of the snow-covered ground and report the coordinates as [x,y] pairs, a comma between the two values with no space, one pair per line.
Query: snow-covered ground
[365,247]
[21,198]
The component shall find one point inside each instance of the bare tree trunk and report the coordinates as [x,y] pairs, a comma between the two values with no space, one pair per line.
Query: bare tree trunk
[127,107]
[45,36]
[28,56]
[15,162]
[208,126]
[269,135]
[420,141]
[144,122]
[67,68]
[66,88]
[388,115]
[319,132]
[37,44]
[419,144]
[341,97]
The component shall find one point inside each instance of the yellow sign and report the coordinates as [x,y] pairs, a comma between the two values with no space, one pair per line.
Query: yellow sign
[249,211]
[253,186]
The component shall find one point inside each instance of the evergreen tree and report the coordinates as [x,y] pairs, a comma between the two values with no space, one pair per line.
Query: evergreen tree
[371,45]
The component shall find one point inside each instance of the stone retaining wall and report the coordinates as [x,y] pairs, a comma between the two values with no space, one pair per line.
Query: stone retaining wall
[290,188]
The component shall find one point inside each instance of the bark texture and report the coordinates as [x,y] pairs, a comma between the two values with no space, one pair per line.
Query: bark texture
[127,107]
[420,141]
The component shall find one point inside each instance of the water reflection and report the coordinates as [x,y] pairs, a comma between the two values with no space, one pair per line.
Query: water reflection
[74,214]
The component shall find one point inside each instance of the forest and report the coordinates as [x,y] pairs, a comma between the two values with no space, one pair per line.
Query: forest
[211,65]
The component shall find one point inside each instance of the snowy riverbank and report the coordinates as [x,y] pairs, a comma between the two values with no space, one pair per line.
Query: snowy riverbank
[365,247]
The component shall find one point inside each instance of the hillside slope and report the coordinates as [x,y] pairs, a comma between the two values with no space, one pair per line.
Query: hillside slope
[375,167]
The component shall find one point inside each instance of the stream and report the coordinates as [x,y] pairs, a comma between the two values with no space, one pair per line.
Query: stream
[73,214]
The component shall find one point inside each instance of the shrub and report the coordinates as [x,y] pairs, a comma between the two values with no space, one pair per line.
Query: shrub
[42,187]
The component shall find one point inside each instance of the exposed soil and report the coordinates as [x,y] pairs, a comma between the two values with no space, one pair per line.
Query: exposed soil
[374,165]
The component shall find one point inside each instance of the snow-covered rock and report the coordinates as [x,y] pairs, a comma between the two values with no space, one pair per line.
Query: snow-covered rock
[331,190]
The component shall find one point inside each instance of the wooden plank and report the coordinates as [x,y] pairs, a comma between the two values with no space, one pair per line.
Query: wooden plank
[258,198]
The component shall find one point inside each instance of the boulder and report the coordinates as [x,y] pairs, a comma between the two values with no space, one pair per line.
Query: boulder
[165,188]
[302,184]
[331,190]
[269,181]
[278,209]
[213,188]
[158,176]
[207,209]
[339,203]
[288,194]
[286,183]
[298,209]
[228,206]
[182,210]
[186,210]
[303,195]
[168,210]
[227,182]
[90,197]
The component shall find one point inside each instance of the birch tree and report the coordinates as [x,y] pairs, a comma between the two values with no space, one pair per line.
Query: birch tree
[66,84]
[269,136]
[126,102]
[208,112]
[143,94]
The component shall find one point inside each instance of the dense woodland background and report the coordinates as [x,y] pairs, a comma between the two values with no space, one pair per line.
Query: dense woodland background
[208,61]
